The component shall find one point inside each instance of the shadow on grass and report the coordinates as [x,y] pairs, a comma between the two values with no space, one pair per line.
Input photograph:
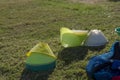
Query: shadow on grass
[5,70]
[73,53]
[31,75]
[114,0]
[76,53]
[96,48]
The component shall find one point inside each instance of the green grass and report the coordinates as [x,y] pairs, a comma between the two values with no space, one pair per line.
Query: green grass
[24,23]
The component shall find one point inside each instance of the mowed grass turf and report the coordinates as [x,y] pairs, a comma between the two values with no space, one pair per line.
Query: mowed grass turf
[24,23]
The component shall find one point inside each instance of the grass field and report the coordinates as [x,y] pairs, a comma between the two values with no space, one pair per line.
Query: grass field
[24,23]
